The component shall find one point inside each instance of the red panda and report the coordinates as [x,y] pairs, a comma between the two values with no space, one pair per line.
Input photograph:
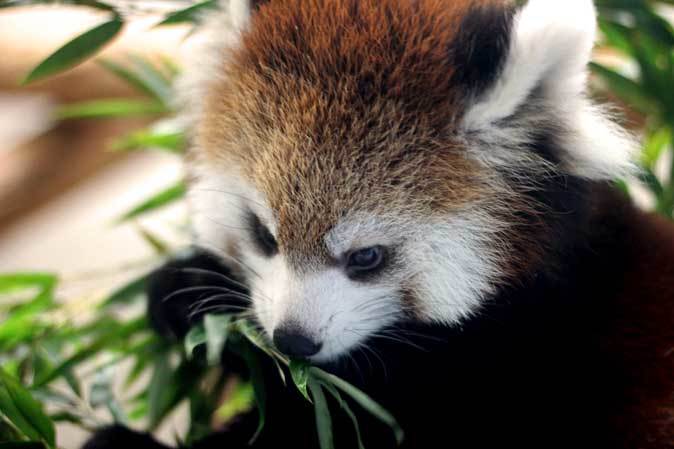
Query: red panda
[428,180]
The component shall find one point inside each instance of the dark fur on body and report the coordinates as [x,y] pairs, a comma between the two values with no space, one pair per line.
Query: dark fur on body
[579,355]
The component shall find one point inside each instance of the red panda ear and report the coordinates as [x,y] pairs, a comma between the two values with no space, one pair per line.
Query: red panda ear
[481,45]
[542,85]
[550,46]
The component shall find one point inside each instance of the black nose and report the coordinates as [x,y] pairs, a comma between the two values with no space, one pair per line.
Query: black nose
[292,343]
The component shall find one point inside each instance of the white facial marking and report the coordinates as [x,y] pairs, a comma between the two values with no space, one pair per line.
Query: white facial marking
[450,263]
[447,264]
[327,307]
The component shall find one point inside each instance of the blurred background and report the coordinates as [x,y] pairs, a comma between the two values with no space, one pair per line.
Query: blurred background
[62,184]
[91,174]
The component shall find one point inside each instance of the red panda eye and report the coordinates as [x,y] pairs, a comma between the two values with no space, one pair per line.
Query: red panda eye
[365,260]
[264,240]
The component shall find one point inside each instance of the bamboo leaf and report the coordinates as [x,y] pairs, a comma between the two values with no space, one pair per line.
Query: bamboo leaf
[77,50]
[241,401]
[299,371]
[173,142]
[323,419]
[363,400]
[127,293]
[19,407]
[342,403]
[18,281]
[625,88]
[195,337]
[159,389]
[109,338]
[91,3]
[161,199]
[157,81]
[656,143]
[259,389]
[134,79]
[154,241]
[217,330]
[189,14]
[110,108]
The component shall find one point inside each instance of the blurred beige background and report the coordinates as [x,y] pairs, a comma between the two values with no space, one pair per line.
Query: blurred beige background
[61,189]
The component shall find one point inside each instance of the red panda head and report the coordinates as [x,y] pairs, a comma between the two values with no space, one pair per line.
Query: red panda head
[364,161]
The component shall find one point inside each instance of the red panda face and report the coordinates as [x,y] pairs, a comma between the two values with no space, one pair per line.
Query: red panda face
[366,161]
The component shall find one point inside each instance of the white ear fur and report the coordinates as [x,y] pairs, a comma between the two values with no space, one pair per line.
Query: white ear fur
[205,53]
[550,47]
[239,11]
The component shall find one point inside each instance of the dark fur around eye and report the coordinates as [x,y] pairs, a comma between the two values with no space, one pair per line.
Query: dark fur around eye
[263,239]
[366,263]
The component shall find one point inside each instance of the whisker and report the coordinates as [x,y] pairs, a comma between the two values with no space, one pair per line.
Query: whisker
[223,254]
[214,273]
[219,298]
[220,308]
[192,289]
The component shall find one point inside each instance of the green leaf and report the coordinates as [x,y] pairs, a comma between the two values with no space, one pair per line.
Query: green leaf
[172,142]
[138,368]
[168,387]
[256,338]
[217,329]
[118,334]
[323,419]
[92,3]
[648,178]
[67,417]
[342,403]
[655,144]
[169,66]
[189,14]
[161,199]
[299,371]
[616,35]
[110,108]
[239,402]
[363,400]
[626,89]
[100,391]
[155,242]
[77,50]
[159,91]
[159,82]
[259,390]
[127,293]
[159,386]
[26,322]
[44,363]
[19,281]
[195,337]
[24,412]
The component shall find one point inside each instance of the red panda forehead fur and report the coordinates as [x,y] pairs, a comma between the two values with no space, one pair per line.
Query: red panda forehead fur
[336,106]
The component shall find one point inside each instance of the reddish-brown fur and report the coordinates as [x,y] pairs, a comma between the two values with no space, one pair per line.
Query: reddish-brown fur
[325,116]
[356,100]
[641,335]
